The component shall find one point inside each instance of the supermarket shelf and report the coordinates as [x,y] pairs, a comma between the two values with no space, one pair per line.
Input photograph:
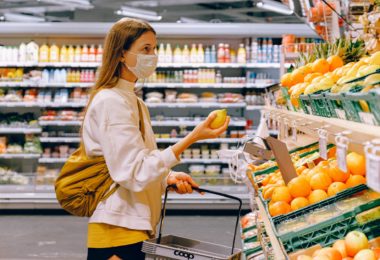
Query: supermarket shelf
[251,107]
[202,105]
[59,123]
[59,139]
[203,161]
[217,140]
[276,245]
[357,133]
[18,130]
[52,160]
[191,123]
[43,197]
[46,85]
[160,65]
[38,104]
[20,156]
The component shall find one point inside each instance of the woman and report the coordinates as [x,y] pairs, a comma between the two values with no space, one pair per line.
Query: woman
[117,126]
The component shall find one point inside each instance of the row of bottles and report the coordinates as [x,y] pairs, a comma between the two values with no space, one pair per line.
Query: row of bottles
[32,53]
[66,76]
[186,76]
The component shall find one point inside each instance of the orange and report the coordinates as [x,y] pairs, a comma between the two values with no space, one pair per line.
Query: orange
[282,194]
[340,245]
[299,187]
[268,193]
[335,62]
[286,80]
[356,163]
[320,181]
[298,203]
[316,196]
[300,169]
[321,66]
[331,152]
[304,257]
[355,180]
[321,257]
[336,187]
[331,253]
[279,208]
[323,163]
[309,78]
[337,174]
[266,180]
[298,76]
[306,69]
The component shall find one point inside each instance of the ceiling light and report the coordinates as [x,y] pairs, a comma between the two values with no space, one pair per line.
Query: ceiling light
[79,4]
[274,6]
[17,17]
[139,13]
[189,20]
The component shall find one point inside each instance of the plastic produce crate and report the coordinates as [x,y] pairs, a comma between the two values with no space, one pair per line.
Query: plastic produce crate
[335,104]
[319,105]
[365,106]
[305,104]
[285,94]
[329,231]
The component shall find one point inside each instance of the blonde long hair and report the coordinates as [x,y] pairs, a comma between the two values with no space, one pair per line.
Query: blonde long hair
[120,38]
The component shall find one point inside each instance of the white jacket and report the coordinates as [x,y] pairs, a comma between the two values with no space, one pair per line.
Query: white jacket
[111,129]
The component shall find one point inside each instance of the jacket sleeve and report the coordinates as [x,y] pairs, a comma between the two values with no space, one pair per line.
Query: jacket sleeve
[129,162]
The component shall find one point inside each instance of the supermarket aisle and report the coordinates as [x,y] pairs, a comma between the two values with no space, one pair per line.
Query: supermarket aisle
[63,237]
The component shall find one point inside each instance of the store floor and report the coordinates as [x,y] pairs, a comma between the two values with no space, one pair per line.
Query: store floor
[64,237]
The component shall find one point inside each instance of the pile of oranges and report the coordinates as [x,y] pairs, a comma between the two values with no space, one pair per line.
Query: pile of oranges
[312,185]
[354,246]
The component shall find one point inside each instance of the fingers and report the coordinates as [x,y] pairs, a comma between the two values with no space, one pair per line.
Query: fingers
[210,118]
[184,187]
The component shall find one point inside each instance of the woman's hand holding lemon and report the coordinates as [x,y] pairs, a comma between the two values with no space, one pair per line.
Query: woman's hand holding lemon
[215,124]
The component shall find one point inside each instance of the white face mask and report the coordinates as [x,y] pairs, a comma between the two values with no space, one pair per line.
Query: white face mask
[145,65]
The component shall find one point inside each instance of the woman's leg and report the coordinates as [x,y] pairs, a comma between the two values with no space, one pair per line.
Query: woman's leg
[128,252]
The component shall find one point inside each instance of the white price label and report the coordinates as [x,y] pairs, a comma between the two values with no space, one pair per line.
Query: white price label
[367,118]
[373,167]
[341,114]
[323,143]
[341,152]
[286,130]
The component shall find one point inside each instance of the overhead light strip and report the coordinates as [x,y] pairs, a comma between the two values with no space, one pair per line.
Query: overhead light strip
[139,13]
[274,6]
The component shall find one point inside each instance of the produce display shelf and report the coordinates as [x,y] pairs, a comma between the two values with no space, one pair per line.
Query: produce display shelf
[60,123]
[193,105]
[309,124]
[279,251]
[216,140]
[52,160]
[20,130]
[257,107]
[203,161]
[160,65]
[19,156]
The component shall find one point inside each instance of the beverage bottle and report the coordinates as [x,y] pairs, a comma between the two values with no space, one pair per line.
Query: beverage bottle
[193,54]
[233,58]
[270,50]
[99,54]
[45,76]
[227,53]
[177,55]
[54,53]
[168,54]
[77,76]
[44,53]
[22,53]
[201,54]
[70,54]
[63,76]
[254,51]
[218,77]
[77,54]
[15,54]
[32,52]
[264,52]
[213,58]
[207,55]
[63,57]
[242,56]
[221,53]
[84,54]
[161,53]
[185,54]
[92,53]
[247,47]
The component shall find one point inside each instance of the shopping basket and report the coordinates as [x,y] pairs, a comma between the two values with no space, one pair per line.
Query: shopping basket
[170,247]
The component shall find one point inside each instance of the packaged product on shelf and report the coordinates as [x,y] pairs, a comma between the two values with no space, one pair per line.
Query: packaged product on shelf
[154,97]
[200,54]
[54,53]
[177,55]
[196,153]
[208,97]
[14,148]
[70,54]
[44,52]
[3,144]
[193,54]
[99,53]
[84,54]
[230,98]
[168,53]
[185,54]
[77,54]
[92,53]
[32,144]
[8,176]
[22,53]
[187,98]
[63,54]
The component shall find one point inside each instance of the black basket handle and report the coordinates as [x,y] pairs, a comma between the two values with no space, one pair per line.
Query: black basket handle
[163,210]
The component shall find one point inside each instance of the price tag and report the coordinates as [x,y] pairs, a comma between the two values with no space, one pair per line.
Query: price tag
[373,166]
[294,131]
[367,118]
[286,128]
[341,114]
[341,152]
[322,143]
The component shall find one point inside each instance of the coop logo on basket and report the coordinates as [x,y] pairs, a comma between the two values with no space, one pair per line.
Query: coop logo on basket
[183,254]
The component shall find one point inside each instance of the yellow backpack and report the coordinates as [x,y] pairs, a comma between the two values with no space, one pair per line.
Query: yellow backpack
[85,181]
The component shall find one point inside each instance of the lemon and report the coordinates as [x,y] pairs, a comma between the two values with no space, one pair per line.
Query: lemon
[221,116]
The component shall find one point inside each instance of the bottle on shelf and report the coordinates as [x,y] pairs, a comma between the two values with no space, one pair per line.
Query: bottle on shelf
[45,76]
[177,54]
[14,54]
[32,52]
[200,54]
[247,48]
[227,53]
[63,57]
[193,54]
[22,52]
[254,51]
[185,54]
[54,53]
[44,53]
[221,53]
[218,77]
[161,53]
[70,54]
[269,54]
[77,53]
[233,56]
[84,53]
[207,55]
[99,53]
[168,54]
[92,53]
[242,56]
[213,55]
